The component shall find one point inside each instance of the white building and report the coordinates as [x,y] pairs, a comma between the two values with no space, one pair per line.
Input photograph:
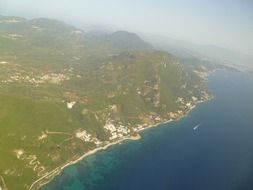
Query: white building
[70,105]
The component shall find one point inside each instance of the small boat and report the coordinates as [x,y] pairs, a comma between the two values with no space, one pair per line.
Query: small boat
[196,127]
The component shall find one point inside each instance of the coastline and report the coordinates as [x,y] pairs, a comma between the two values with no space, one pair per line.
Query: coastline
[50,175]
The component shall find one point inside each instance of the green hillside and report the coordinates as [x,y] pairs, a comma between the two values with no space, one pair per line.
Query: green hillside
[64,92]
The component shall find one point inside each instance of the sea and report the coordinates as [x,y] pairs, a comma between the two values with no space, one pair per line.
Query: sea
[209,149]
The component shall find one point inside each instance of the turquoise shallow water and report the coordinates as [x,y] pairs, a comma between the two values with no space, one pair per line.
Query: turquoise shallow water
[216,156]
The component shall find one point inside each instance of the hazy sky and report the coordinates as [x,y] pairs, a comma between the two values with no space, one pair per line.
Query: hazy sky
[227,23]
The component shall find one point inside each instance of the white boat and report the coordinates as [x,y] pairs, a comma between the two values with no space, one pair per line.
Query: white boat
[196,126]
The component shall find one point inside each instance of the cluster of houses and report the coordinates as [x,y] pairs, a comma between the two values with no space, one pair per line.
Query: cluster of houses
[116,132]
[86,137]
[54,78]
[119,131]
[9,21]
[13,36]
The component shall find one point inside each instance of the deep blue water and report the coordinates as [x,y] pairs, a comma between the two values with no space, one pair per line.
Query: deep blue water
[216,156]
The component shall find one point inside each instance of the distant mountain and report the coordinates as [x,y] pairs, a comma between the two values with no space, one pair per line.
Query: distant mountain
[127,40]
[224,55]
[210,52]
[53,33]
[119,41]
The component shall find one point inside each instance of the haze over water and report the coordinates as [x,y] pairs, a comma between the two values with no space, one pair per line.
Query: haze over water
[217,155]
